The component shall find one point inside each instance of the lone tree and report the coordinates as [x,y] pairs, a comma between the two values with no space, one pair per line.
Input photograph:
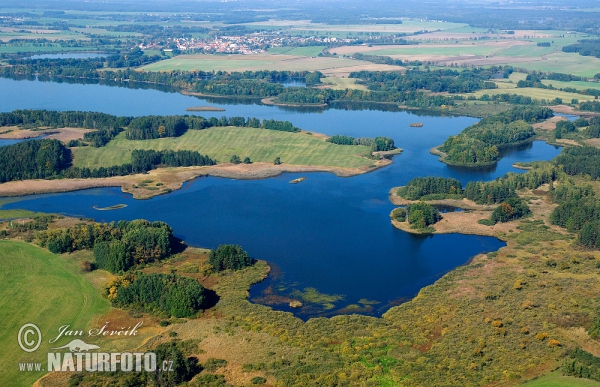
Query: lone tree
[277,161]
[235,159]
[247,160]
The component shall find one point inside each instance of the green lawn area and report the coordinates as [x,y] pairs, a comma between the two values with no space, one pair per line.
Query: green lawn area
[44,289]
[300,51]
[224,142]
[555,379]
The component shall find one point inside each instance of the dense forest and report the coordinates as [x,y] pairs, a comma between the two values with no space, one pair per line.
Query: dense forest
[37,159]
[480,144]
[160,294]
[430,188]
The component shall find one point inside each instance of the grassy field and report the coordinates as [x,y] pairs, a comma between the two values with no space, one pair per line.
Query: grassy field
[555,379]
[222,143]
[44,289]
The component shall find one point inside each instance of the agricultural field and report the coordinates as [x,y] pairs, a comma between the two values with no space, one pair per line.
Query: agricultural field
[41,287]
[333,66]
[224,142]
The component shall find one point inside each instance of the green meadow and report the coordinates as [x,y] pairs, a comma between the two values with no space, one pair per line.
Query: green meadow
[221,143]
[44,289]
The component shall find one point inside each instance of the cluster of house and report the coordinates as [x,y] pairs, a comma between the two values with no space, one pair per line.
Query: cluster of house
[242,44]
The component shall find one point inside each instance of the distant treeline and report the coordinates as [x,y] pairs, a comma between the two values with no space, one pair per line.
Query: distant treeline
[581,364]
[479,144]
[376,144]
[151,127]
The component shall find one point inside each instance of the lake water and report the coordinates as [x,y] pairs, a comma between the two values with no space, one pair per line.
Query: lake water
[328,233]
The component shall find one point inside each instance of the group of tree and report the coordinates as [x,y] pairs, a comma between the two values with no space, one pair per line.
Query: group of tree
[377,144]
[117,246]
[178,354]
[581,364]
[145,160]
[590,106]
[161,294]
[564,127]
[429,188]
[421,215]
[510,209]
[229,257]
[480,144]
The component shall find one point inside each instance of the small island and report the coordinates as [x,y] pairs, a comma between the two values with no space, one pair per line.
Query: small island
[110,208]
[298,180]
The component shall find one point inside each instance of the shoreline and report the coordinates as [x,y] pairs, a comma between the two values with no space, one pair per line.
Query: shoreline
[174,178]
